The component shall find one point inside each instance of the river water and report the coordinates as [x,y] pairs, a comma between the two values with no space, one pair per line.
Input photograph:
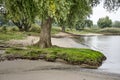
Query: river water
[109,46]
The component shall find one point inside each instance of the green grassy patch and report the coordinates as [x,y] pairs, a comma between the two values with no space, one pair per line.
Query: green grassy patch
[55,30]
[11,35]
[8,33]
[70,55]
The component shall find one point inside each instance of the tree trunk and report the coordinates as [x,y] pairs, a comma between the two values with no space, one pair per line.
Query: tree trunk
[63,28]
[18,24]
[26,26]
[22,24]
[45,35]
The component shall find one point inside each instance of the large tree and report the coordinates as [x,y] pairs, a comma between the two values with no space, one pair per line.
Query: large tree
[54,10]
[57,10]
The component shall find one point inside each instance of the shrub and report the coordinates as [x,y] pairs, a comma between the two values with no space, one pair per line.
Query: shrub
[35,28]
[4,28]
[55,30]
[116,24]
[14,29]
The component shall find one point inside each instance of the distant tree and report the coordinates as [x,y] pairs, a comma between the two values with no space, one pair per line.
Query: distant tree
[104,22]
[84,23]
[89,23]
[80,25]
[116,24]
[62,24]
[95,26]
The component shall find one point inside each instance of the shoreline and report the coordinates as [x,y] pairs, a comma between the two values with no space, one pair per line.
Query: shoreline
[42,70]
[66,34]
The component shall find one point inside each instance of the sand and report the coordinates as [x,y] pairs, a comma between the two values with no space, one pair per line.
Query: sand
[64,41]
[42,70]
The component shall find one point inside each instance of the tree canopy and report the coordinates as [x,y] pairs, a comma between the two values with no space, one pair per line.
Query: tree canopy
[48,11]
[84,23]
[111,5]
[19,12]
[104,22]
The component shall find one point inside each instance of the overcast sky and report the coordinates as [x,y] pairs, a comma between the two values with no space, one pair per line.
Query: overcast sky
[99,12]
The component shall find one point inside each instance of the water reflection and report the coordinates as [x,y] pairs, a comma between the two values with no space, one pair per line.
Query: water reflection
[110,46]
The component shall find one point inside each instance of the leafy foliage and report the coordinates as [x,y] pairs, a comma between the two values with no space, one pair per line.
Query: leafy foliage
[84,23]
[21,12]
[21,9]
[89,23]
[116,24]
[104,22]
[3,20]
[111,5]
[78,11]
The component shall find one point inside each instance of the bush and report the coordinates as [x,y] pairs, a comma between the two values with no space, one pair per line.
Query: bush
[116,24]
[14,29]
[35,28]
[55,30]
[4,28]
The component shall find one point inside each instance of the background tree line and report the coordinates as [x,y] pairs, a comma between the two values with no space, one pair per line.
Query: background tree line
[107,22]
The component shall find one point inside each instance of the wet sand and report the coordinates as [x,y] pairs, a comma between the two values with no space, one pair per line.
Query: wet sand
[42,70]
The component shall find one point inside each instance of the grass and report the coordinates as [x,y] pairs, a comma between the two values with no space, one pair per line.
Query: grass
[55,30]
[109,31]
[70,55]
[76,32]
[7,33]
[112,31]
[11,35]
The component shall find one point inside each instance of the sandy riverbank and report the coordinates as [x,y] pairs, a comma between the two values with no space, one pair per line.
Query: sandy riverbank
[62,40]
[42,70]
